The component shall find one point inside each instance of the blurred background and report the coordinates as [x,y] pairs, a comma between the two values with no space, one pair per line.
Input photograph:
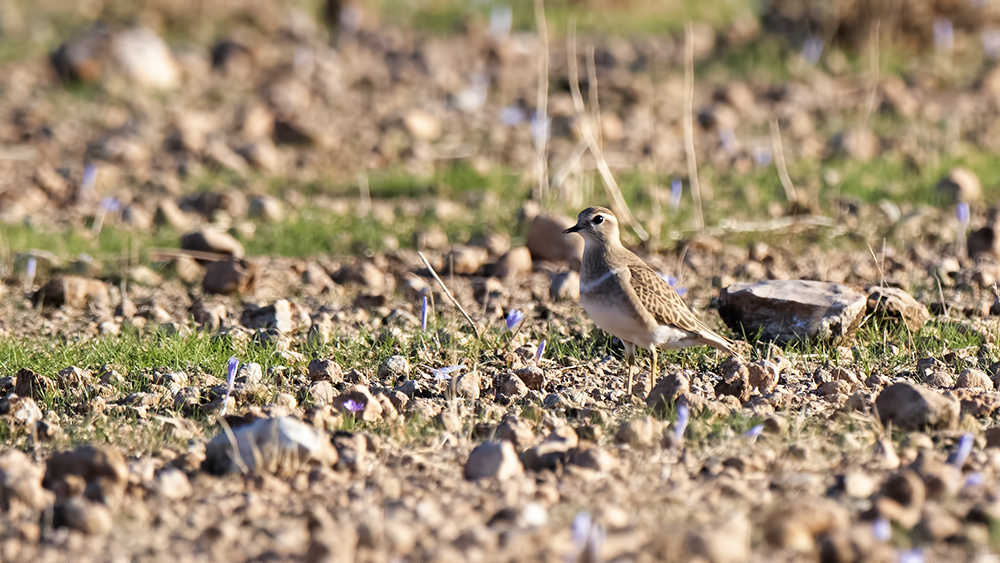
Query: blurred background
[311,127]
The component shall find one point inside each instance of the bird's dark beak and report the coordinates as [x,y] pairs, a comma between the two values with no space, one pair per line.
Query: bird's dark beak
[572,229]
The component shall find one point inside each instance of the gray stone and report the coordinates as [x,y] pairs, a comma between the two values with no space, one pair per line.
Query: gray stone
[268,444]
[896,304]
[790,310]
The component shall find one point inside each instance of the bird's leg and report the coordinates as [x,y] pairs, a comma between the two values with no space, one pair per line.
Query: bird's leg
[630,354]
[653,372]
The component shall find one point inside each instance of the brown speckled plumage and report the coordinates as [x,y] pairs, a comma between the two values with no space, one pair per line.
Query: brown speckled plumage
[627,298]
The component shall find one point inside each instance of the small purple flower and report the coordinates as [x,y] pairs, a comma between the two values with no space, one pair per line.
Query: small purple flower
[961,453]
[444,374]
[29,271]
[683,416]
[110,204]
[754,432]
[728,139]
[353,406]
[89,178]
[540,351]
[423,315]
[762,157]
[511,116]
[915,555]
[991,43]
[974,480]
[944,34]
[963,213]
[882,529]
[540,129]
[812,48]
[231,369]
[581,529]
[514,318]
[676,189]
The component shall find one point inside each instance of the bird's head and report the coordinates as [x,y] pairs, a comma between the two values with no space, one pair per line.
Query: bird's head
[596,224]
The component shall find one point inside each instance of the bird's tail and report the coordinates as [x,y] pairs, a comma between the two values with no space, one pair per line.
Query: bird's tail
[719,342]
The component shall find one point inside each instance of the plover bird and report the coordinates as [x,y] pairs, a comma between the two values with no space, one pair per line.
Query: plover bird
[628,299]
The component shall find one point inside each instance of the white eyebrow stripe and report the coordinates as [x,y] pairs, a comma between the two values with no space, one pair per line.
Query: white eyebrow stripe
[587,287]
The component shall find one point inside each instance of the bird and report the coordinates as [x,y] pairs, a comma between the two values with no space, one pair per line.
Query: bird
[628,299]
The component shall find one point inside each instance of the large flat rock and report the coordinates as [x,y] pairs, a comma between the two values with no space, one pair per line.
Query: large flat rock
[788,310]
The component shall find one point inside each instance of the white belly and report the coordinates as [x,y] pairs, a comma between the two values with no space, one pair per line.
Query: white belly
[617,321]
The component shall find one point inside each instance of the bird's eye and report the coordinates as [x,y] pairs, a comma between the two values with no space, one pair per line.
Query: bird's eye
[599,219]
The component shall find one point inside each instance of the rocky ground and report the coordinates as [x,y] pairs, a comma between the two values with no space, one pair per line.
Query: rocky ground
[294,293]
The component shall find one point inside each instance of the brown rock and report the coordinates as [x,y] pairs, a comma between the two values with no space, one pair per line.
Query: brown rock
[514,263]
[215,242]
[322,392]
[546,240]
[464,260]
[638,432]
[532,376]
[325,370]
[796,524]
[915,407]
[83,515]
[860,144]
[21,482]
[993,437]
[493,459]
[89,462]
[896,304]
[73,291]
[30,384]
[468,385]
[786,310]
[515,431]
[226,277]
[972,378]
[901,498]
[512,386]
[667,390]
[762,376]
[422,125]
[735,381]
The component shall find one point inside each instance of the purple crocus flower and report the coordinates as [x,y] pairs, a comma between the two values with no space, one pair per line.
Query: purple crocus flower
[991,43]
[812,48]
[89,178]
[110,204]
[231,369]
[511,116]
[588,537]
[754,432]
[29,271]
[728,139]
[540,351]
[514,318]
[882,529]
[423,315]
[444,374]
[676,189]
[683,416]
[963,213]
[944,34]
[974,480]
[353,406]
[961,453]
[915,555]
[762,157]
[540,129]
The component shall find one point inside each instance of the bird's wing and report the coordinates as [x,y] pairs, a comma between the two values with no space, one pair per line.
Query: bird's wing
[667,307]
